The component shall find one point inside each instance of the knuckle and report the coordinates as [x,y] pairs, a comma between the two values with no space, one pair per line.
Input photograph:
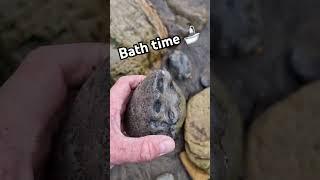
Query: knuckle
[148,151]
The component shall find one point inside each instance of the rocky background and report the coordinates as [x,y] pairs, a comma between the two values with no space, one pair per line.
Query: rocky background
[266,53]
[25,25]
[266,68]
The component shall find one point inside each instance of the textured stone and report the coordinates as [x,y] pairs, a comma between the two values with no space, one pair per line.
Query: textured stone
[133,21]
[193,170]
[197,129]
[157,106]
[284,141]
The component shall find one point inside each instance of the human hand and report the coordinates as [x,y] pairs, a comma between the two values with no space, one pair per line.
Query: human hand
[125,149]
[32,96]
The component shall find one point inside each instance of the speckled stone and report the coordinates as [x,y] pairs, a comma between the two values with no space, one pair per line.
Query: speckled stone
[157,106]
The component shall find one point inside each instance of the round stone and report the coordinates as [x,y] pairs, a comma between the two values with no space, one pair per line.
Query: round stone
[157,106]
[180,65]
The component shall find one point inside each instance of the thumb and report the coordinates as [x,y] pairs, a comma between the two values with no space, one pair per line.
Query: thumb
[146,148]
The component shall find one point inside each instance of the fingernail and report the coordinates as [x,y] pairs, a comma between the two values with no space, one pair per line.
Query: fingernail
[166,146]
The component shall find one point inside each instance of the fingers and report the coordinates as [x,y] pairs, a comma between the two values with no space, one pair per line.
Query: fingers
[131,150]
[120,93]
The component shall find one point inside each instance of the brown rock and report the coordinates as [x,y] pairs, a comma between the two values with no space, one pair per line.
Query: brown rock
[284,140]
[197,129]
[193,170]
[134,21]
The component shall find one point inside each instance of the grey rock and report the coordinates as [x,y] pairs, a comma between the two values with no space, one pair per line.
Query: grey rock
[157,106]
[198,61]
[205,78]
[166,176]
[180,65]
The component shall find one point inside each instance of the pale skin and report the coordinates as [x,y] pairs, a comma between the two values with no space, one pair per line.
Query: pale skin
[38,89]
[125,149]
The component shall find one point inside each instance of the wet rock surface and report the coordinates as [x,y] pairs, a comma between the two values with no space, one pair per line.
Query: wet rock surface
[197,130]
[227,130]
[284,141]
[157,106]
